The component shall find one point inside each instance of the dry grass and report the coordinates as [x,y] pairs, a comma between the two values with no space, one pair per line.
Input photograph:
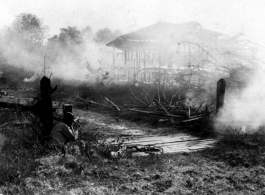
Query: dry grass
[234,166]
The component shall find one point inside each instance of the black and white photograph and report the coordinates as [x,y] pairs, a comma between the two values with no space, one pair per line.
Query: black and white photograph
[141,97]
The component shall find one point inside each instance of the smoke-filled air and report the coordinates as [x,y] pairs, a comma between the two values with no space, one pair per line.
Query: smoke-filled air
[244,107]
[80,55]
[73,54]
[132,97]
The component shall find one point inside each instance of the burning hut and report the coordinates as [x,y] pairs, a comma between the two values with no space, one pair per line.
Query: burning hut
[173,53]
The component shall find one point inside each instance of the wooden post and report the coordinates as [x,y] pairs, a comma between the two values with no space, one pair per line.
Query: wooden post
[144,65]
[113,63]
[134,72]
[44,108]
[159,71]
[220,95]
[137,66]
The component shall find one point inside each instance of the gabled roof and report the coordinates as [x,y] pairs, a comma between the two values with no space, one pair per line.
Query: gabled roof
[164,33]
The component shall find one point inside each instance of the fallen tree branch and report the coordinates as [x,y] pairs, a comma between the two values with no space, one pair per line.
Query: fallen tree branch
[147,95]
[4,124]
[155,113]
[157,102]
[147,100]
[160,106]
[134,106]
[114,105]
[194,119]
[90,102]
[136,97]
[170,104]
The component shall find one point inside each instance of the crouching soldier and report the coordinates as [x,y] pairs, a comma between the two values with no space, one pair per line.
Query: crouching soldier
[63,133]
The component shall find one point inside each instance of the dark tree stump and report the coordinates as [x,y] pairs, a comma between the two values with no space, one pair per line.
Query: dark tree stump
[43,108]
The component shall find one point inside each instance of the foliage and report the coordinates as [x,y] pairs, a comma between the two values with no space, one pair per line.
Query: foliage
[67,36]
[29,29]
[87,33]
[105,35]
[21,44]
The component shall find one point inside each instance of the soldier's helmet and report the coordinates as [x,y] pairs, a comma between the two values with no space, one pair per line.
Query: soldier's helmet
[68,117]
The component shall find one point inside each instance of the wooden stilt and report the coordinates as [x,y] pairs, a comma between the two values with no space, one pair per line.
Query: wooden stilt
[220,95]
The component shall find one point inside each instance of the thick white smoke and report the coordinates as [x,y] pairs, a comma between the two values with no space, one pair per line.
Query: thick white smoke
[68,63]
[73,66]
[245,109]
[32,79]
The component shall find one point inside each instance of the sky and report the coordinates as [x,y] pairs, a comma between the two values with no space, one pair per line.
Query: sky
[225,16]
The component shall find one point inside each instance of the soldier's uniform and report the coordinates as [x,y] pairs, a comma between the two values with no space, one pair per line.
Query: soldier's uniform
[62,132]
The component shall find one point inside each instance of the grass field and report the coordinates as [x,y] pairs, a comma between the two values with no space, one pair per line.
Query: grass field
[234,166]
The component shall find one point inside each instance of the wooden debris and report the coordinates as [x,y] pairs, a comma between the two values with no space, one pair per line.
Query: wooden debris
[191,120]
[156,113]
[113,105]
[90,102]
[170,104]
[136,97]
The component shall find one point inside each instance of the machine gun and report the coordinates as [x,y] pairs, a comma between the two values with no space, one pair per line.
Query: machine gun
[76,124]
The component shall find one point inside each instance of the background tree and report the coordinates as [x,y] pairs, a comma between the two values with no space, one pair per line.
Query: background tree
[65,45]
[22,42]
[29,30]
[70,35]
[105,35]
[87,34]
[67,49]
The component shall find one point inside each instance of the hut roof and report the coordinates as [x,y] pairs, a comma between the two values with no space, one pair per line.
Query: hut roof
[163,34]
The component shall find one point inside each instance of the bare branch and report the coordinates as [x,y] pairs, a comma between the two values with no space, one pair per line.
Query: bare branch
[136,97]
[113,105]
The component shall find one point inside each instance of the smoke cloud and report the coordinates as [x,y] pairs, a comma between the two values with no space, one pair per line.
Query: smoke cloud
[63,55]
[244,109]
[32,79]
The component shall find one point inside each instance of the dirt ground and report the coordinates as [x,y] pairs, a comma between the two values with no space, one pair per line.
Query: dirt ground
[170,139]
